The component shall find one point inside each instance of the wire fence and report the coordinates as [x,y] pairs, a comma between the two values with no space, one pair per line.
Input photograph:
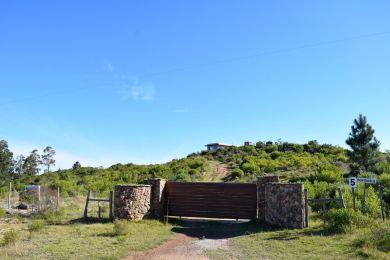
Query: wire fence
[33,199]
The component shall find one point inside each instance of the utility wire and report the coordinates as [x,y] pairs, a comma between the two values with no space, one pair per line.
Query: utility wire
[279,51]
[228,60]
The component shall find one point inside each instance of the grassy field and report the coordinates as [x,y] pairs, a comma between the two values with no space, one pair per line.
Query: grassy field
[65,236]
[261,242]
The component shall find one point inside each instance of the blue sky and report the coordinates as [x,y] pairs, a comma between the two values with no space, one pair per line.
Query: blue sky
[148,81]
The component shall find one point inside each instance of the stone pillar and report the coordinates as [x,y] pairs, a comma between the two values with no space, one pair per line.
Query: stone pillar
[157,197]
[284,205]
[132,201]
[261,183]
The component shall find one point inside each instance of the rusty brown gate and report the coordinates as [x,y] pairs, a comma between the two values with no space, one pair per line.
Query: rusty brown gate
[211,200]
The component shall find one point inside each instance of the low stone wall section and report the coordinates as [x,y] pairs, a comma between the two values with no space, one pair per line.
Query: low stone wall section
[132,201]
[284,204]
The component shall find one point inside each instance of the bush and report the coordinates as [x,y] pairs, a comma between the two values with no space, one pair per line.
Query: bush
[121,227]
[329,174]
[236,174]
[52,216]
[343,220]
[380,235]
[2,212]
[36,225]
[377,237]
[250,168]
[10,237]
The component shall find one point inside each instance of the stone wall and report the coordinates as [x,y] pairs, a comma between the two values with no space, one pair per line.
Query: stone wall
[284,204]
[132,201]
[261,183]
[158,197]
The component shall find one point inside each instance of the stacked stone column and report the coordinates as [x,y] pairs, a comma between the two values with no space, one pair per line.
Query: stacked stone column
[261,199]
[158,196]
[138,201]
[132,201]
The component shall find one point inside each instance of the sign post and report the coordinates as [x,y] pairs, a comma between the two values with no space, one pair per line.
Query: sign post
[353,182]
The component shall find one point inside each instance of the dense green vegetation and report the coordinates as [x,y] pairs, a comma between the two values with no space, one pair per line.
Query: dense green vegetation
[322,168]
[290,161]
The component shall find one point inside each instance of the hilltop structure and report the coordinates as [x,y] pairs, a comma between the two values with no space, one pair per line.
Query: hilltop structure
[215,146]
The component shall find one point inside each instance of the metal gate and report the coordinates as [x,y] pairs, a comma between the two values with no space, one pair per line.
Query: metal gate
[211,200]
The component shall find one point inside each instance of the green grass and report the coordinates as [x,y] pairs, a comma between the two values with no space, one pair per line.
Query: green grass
[64,236]
[85,241]
[69,238]
[9,237]
[311,243]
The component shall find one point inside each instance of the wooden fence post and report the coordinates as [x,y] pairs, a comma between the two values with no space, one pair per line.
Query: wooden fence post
[39,198]
[86,204]
[99,211]
[306,209]
[341,198]
[353,198]
[111,200]
[381,202]
[58,198]
[9,195]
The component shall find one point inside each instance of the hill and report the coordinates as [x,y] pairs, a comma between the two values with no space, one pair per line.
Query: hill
[292,162]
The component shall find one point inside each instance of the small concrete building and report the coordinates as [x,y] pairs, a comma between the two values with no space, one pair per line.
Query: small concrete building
[215,146]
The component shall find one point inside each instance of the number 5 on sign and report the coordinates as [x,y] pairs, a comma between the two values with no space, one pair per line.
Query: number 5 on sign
[352,182]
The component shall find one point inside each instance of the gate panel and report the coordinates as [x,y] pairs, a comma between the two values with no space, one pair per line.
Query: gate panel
[211,200]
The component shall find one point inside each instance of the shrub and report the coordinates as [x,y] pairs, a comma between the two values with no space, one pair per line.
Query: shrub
[329,174]
[2,212]
[236,174]
[52,216]
[250,168]
[36,225]
[276,154]
[377,237]
[10,237]
[343,220]
[121,227]
[380,235]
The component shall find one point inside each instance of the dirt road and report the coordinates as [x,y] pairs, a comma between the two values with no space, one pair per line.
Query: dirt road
[182,247]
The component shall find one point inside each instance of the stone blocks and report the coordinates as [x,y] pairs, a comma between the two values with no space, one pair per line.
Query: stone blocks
[284,204]
[262,181]
[132,201]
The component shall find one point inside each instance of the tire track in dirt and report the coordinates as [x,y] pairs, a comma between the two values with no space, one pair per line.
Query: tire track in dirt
[181,247]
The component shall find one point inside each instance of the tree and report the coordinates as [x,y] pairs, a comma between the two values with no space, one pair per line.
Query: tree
[365,147]
[76,166]
[31,163]
[19,170]
[6,161]
[48,157]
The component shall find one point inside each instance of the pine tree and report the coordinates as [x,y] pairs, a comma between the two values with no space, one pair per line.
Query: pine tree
[76,166]
[364,152]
